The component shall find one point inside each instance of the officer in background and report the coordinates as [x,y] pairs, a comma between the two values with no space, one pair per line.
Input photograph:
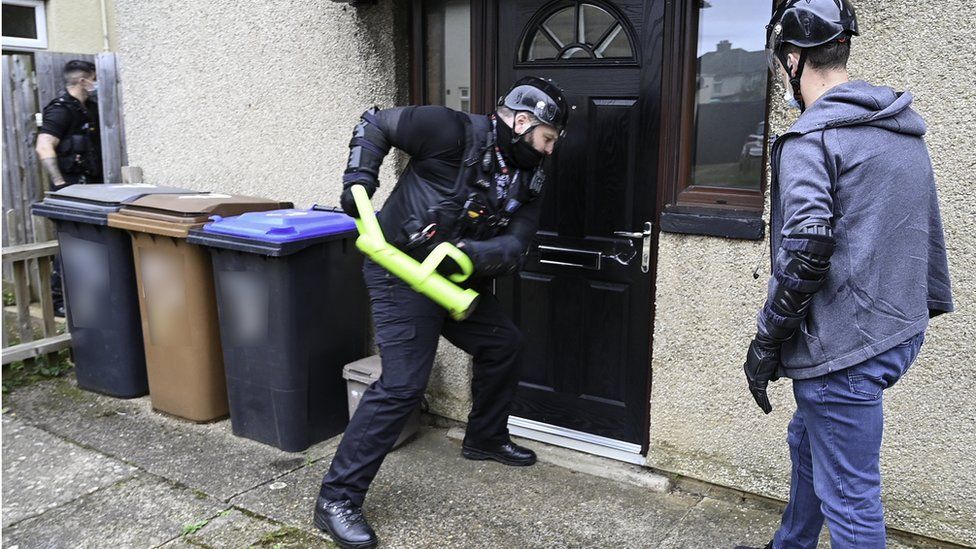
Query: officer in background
[859,269]
[69,143]
[475,181]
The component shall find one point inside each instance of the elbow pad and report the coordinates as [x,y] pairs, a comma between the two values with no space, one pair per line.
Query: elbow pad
[367,148]
[797,281]
[496,256]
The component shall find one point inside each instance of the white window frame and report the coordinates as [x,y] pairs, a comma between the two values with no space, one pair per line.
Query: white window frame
[40,21]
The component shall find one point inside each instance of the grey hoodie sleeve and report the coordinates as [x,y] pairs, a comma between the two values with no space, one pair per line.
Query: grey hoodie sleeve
[805,244]
[805,181]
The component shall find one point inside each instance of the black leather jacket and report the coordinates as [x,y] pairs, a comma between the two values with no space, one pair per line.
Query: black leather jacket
[446,148]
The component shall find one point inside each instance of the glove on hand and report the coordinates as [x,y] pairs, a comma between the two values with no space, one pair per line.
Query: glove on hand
[348,202]
[761,364]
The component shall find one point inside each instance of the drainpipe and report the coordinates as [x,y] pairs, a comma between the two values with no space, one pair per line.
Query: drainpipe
[105,46]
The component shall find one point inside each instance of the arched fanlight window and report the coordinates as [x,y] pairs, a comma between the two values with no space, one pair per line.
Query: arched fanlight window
[577,32]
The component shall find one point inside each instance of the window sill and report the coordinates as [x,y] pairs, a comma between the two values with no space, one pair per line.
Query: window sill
[706,222]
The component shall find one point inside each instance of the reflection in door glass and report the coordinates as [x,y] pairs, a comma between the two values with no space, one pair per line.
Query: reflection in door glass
[730,101]
[447,50]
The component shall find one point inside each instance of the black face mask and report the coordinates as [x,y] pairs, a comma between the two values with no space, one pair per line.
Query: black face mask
[517,149]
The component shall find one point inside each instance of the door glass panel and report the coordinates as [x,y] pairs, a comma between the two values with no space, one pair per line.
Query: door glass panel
[615,46]
[730,100]
[561,25]
[541,48]
[447,52]
[595,23]
[575,52]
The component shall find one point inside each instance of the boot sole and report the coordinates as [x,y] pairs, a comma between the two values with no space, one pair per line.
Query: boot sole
[344,544]
[479,455]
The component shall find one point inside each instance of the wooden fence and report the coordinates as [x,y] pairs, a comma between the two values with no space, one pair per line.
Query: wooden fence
[50,342]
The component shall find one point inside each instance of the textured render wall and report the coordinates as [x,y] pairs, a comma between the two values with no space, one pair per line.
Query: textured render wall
[255,97]
[75,26]
[260,98]
[703,421]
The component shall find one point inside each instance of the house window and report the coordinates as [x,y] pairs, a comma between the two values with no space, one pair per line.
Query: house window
[24,25]
[446,46]
[577,31]
[722,88]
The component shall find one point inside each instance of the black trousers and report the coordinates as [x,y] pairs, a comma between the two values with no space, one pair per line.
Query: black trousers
[408,327]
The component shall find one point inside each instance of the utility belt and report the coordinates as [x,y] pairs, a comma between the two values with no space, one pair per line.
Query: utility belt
[77,154]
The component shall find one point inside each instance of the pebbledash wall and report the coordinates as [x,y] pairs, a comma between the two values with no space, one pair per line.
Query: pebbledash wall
[255,97]
[260,98]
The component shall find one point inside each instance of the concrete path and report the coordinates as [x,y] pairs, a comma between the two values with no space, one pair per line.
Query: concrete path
[83,470]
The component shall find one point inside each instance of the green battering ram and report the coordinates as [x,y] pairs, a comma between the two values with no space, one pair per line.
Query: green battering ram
[422,277]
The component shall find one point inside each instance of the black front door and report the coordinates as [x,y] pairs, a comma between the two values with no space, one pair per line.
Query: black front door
[584,298]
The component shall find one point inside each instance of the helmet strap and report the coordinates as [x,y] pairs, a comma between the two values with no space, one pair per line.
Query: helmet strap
[517,136]
[795,79]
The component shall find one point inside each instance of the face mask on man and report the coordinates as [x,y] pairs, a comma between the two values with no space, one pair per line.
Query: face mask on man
[518,149]
[790,99]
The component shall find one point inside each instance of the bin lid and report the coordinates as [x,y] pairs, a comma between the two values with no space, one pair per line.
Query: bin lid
[282,225]
[91,203]
[275,233]
[365,370]
[176,214]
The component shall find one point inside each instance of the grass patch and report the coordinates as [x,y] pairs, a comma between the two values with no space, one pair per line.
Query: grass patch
[286,536]
[8,298]
[20,374]
[194,527]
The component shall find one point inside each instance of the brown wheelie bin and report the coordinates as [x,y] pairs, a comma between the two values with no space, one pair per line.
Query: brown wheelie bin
[177,302]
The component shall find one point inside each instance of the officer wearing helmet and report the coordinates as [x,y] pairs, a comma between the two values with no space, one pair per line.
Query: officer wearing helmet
[475,181]
[859,267]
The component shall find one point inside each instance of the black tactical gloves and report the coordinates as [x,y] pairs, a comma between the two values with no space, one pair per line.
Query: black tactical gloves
[346,200]
[761,364]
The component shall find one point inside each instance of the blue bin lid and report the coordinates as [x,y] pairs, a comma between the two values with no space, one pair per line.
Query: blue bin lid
[282,225]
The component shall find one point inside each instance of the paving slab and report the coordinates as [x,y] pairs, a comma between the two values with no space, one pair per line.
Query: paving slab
[207,457]
[233,529]
[725,523]
[143,511]
[41,471]
[427,495]
[717,523]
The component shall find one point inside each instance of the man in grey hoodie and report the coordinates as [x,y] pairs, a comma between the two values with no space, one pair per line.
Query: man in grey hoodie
[859,267]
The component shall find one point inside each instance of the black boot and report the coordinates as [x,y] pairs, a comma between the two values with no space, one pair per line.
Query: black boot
[768,546]
[344,521]
[508,453]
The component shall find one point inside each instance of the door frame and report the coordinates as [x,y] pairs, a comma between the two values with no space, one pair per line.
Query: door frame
[672,38]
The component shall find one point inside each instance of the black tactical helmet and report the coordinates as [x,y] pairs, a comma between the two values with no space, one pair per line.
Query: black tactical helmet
[809,23]
[806,24]
[541,97]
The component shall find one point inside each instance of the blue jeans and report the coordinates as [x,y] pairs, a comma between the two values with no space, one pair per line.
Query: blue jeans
[835,444]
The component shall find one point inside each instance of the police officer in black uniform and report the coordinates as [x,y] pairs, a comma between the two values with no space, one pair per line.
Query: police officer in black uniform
[475,181]
[69,144]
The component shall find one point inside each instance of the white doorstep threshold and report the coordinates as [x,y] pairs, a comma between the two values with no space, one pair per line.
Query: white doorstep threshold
[576,440]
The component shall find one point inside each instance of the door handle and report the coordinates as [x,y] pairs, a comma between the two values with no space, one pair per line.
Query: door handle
[644,236]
